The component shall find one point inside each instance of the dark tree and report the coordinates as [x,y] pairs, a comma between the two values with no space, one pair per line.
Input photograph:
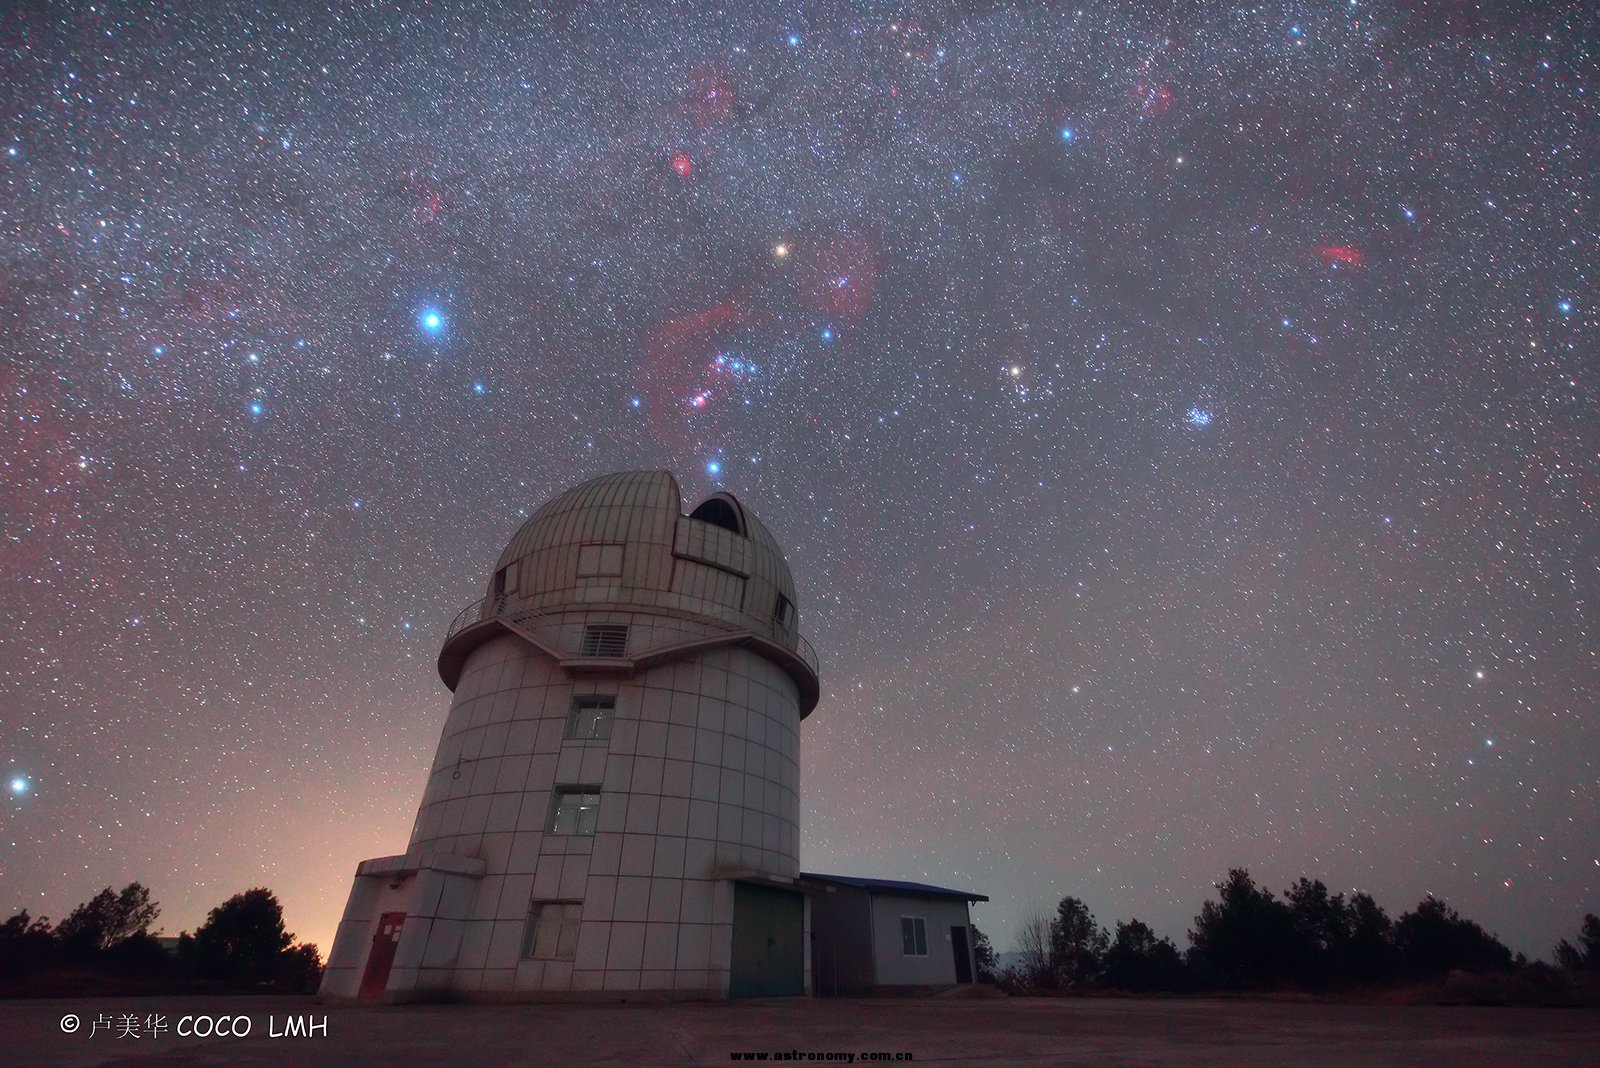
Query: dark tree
[1141,962]
[1077,944]
[108,918]
[1586,954]
[1434,939]
[1321,931]
[139,955]
[22,926]
[1032,970]
[1244,939]
[26,944]
[983,956]
[1370,955]
[300,969]
[243,939]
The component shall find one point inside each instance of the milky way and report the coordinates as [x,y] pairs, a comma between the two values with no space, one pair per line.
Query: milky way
[1180,421]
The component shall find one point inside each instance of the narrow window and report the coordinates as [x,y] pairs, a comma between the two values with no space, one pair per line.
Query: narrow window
[914,936]
[501,580]
[783,611]
[604,639]
[552,931]
[575,810]
[590,718]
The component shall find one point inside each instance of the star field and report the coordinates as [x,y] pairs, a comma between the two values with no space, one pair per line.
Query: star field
[1180,421]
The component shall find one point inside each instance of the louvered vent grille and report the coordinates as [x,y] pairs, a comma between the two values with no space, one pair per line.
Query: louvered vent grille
[604,639]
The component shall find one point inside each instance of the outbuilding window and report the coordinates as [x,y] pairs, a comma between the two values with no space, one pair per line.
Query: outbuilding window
[914,936]
[552,931]
[783,611]
[575,810]
[590,719]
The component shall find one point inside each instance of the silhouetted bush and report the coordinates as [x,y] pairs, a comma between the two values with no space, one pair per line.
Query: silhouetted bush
[1139,961]
[106,919]
[1311,940]
[1077,946]
[1244,940]
[983,956]
[243,941]
[1585,956]
[1434,939]
[104,947]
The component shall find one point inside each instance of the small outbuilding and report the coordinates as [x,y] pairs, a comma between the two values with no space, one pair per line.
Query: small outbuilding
[880,935]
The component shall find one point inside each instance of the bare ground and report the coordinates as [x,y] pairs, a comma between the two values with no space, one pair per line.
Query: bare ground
[946,1032]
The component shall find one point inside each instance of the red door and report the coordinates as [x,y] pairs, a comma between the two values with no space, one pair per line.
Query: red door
[381,958]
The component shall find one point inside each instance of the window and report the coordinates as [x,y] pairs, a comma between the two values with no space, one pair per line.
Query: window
[599,560]
[783,611]
[575,810]
[604,639]
[591,718]
[914,936]
[505,579]
[552,931]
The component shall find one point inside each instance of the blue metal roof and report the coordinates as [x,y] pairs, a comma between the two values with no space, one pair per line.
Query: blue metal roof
[894,886]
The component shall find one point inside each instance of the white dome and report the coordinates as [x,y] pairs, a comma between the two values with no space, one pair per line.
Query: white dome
[622,543]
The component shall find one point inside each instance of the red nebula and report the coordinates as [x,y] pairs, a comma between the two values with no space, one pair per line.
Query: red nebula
[679,408]
[1345,255]
[682,164]
[1153,99]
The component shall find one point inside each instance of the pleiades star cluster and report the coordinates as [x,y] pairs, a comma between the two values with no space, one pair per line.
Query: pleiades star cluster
[1180,420]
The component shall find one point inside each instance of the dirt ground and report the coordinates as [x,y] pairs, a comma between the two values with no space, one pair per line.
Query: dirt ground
[966,1032]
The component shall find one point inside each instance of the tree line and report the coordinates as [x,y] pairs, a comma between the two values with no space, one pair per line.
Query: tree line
[105,944]
[1250,939]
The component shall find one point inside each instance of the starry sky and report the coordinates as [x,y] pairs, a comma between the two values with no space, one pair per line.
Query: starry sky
[1180,420]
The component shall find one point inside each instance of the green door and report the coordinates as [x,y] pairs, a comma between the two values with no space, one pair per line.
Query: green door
[768,947]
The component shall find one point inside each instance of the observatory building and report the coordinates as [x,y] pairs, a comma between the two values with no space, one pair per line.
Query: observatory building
[614,804]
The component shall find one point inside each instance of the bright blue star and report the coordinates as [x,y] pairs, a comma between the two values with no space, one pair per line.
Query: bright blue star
[1287,323]
[431,320]
[714,467]
[1068,134]
[794,40]
[19,785]
[257,408]
[1565,307]
[1198,417]
[827,333]
[635,402]
[479,388]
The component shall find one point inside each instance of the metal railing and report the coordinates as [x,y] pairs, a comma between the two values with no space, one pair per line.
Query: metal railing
[551,617]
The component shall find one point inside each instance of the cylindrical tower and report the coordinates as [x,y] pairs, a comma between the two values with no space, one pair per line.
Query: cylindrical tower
[614,804]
